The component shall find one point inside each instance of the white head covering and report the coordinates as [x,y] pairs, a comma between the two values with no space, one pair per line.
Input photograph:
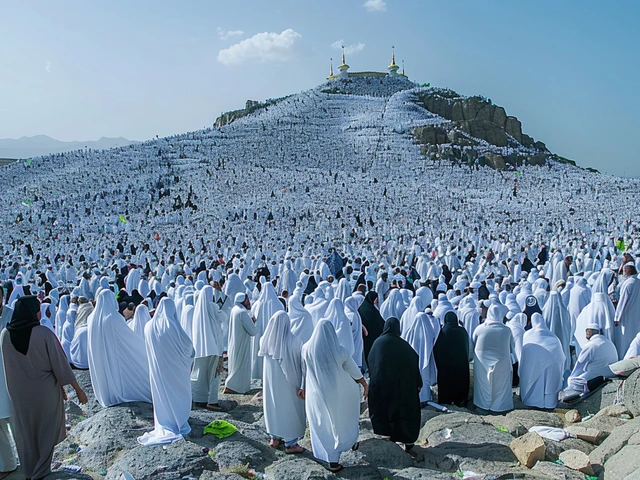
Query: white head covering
[140,319]
[335,314]
[279,343]
[207,327]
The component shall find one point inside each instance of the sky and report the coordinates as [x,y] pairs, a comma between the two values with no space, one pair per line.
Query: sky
[78,70]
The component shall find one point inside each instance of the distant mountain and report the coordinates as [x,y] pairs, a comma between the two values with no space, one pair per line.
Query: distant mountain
[26,147]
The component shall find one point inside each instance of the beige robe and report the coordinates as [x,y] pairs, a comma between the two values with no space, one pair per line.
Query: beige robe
[35,383]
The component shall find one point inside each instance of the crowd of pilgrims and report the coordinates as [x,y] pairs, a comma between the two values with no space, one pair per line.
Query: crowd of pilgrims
[317,333]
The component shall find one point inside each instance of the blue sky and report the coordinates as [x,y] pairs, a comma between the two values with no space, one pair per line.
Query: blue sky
[78,70]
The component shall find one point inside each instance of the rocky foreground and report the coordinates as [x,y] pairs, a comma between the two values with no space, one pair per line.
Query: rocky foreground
[460,444]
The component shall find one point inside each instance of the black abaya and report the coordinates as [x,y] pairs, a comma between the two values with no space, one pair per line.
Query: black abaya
[394,386]
[451,353]
[372,321]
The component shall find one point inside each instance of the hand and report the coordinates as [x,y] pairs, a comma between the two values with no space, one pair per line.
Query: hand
[364,331]
[366,391]
[301,394]
[82,397]
[64,394]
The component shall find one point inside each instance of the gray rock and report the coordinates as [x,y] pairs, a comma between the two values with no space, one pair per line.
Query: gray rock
[414,473]
[538,159]
[433,431]
[297,468]
[631,392]
[512,424]
[577,460]
[431,135]
[232,453]
[485,130]
[176,461]
[554,449]
[558,472]
[533,418]
[209,475]
[377,452]
[618,438]
[500,117]
[495,161]
[514,128]
[624,465]
[528,449]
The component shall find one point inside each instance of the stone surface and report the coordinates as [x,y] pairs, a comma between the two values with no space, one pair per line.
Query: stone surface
[414,473]
[528,449]
[624,465]
[172,461]
[577,460]
[631,393]
[558,472]
[485,130]
[297,468]
[554,449]
[590,435]
[209,475]
[535,418]
[618,438]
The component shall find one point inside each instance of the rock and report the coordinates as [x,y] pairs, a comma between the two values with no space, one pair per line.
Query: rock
[232,453]
[604,397]
[378,453]
[457,114]
[631,393]
[527,141]
[535,418]
[414,473]
[495,161]
[540,146]
[577,460]
[538,159]
[616,411]
[500,116]
[590,435]
[623,465]
[528,449]
[554,449]
[558,472]
[297,468]
[618,438]
[485,130]
[431,135]
[512,424]
[572,416]
[209,475]
[514,128]
[172,461]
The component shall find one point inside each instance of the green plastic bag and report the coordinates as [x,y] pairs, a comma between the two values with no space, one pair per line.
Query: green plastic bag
[220,429]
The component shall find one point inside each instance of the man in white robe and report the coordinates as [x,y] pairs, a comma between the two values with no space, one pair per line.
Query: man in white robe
[492,365]
[541,366]
[208,342]
[627,318]
[267,305]
[593,361]
[242,327]
[170,354]
[600,312]
[284,412]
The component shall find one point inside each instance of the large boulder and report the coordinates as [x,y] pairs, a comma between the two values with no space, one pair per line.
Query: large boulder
[177,460]
[297,468]
[557,472]
[555,449]
[514,128]
[431,135]
[631,393]
[495,161]
[624,465]
[485,130]
[535,418]
[577,460]
[618,438]
[414,473]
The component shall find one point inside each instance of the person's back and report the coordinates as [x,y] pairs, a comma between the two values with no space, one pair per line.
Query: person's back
[492,364]
[241,329]
[593,361]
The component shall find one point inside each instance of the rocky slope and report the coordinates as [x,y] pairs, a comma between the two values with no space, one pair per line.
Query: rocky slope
[460,444]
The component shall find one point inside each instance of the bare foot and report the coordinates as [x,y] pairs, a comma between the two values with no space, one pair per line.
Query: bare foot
[295,449]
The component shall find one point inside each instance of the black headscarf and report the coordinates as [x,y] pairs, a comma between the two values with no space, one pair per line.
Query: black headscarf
[24,318]
[394,388]
[451,353]
[531,306]
[372,321]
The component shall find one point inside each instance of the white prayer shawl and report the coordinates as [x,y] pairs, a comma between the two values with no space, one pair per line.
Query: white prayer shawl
[5,400]
[335,314]
[415,307]
[492,364]
[186,319]
[318,307]
[344,290]
[525,291]
[116,356]
[541,366]
[425,294]
[351,306]
[469,315]
[267,305]
[47,313]
[206,329]
[627,314]
[558,321]
[517,325]
[300,318]
[332,396]
[382,289]
[170,354]
[241,331]
[132,280]
[420,336]
[600,311]
[634,348]
[593,361]
[444,307]
[234,285]
[579,298]
[393,306]
[61,315]
[140,318]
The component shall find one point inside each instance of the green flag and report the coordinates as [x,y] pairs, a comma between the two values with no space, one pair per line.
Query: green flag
[29,162]
[122,219]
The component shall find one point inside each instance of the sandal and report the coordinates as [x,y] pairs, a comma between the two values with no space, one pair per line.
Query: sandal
[335,467]
[356,446]
[298,449]
[213,407]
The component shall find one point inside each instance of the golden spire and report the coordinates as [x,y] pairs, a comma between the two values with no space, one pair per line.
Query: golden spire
[343,61]
[331,70]
[393,66]
[343,66]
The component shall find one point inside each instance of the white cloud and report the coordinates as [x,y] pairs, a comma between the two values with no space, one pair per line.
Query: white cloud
[47,67]
[262,47]
[224,35]
[348,49]
[375,5]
